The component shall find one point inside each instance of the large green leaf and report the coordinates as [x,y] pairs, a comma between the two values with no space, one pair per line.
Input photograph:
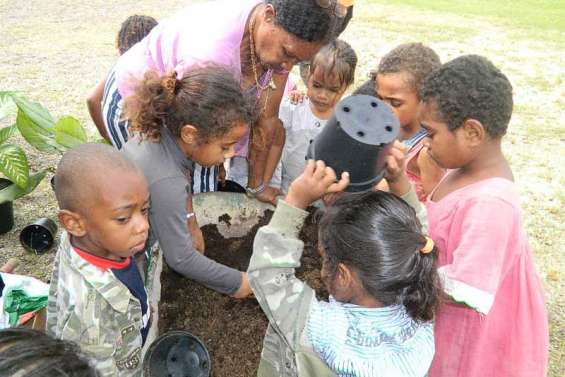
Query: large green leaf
[7,105]
[69,133]
[13,163]
[7,132]
[39,115]
[14,192]
[34,134]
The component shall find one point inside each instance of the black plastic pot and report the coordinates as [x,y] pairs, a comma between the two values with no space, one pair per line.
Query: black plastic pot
[177,354]
[6,210]
[39,237]
[356,139]
[230,186]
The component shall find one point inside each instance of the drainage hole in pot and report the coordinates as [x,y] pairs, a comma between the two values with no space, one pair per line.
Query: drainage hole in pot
[374,104]
[360,133]
[388,128]
[346,109]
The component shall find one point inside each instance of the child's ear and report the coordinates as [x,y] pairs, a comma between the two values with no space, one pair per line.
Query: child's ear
[72,222]
[474,132]
[344,277]
[189,134]
[269,13]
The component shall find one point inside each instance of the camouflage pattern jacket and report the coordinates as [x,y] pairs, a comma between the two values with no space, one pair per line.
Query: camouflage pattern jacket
[286,300]
[91,307]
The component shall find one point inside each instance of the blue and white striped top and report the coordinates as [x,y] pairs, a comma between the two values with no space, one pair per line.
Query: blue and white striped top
[368,342]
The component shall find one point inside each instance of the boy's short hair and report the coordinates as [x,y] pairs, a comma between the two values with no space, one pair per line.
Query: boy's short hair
[133,29]
[27,352]
[470,87]
[78,170]
[414,58]
[339,58]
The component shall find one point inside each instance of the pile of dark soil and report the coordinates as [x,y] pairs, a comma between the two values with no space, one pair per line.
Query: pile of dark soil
[233,330]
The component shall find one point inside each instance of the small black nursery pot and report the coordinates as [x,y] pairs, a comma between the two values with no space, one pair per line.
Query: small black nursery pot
[6,210]
[39,236]
[231,186]
[356,139]
[177,354]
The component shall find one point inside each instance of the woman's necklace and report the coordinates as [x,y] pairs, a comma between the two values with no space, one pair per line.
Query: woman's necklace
[270,84]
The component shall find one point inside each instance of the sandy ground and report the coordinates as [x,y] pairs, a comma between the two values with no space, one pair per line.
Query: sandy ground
[56,51]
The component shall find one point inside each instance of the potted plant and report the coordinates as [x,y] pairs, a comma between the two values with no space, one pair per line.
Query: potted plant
[38,127]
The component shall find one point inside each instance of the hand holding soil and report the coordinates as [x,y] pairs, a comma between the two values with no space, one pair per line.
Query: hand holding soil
[316,181]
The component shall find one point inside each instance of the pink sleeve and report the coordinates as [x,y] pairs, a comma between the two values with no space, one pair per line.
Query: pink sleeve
[480,237]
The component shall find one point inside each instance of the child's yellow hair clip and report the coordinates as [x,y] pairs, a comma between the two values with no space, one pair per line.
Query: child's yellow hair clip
[428,247]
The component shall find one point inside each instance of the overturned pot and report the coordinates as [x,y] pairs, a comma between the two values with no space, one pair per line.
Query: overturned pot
[356,140]
[6,210]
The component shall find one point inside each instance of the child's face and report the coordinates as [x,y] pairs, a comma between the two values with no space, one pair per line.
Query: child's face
[395,89]
[324,92]
[449,149]
[215,151]
[116,225]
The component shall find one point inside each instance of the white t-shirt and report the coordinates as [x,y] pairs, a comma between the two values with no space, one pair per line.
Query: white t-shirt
[301,127]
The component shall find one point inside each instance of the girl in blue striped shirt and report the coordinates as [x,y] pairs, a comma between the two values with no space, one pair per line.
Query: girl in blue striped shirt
[379,269]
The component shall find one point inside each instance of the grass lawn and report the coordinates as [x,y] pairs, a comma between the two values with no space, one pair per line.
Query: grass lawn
[56,51]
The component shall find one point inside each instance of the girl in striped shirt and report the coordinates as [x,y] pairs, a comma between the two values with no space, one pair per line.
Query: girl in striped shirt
[379,269]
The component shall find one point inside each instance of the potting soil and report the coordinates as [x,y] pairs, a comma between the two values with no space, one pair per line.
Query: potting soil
[232,329]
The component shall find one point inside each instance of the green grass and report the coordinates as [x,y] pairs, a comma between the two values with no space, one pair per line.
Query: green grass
[538,15]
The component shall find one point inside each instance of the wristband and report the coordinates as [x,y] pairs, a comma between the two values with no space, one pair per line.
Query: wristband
[251,193]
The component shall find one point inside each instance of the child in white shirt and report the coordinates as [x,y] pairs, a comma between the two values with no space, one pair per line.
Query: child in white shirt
[331,73]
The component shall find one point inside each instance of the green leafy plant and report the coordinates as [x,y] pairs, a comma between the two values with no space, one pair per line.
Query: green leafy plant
[38,127]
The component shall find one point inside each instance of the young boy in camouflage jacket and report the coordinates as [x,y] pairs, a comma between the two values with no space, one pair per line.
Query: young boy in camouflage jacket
[97,296]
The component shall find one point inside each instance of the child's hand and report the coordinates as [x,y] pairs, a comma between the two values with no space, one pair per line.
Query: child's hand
[244,289]
[196,234]
[296,96]
[269,195]
[430,172]
[316,181]
[395,173]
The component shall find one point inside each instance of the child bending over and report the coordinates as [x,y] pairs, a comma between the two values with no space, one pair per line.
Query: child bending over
[97,296]
[496,324]
[379,270]
[398,80]
[177,124]
[332,71]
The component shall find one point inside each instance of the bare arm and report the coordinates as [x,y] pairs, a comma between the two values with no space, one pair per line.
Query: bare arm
[268,126]
[94,104]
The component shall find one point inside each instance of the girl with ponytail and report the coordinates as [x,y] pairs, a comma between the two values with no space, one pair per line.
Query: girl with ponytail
[177,123]
[378,267]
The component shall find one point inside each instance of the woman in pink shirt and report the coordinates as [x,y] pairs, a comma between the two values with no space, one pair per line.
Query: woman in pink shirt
[495,323]
[259,41]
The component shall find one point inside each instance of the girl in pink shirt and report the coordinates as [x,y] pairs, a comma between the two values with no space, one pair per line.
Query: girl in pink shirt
[495,323]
